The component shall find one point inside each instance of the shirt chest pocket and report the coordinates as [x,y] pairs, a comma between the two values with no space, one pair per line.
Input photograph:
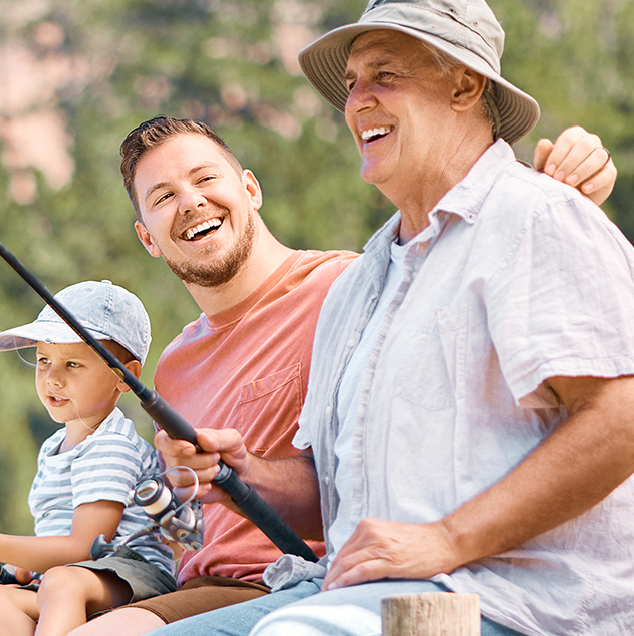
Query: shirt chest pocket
[269,410]
[433,358]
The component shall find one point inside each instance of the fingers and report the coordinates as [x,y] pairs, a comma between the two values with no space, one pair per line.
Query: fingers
[542,152]
[357,567]
[599,186]
[23,576]
[572,147]
[578,159]
[227,441]
[365,571]
[387,549]
[215,445]
[174,451]
[377,549]
[181,453]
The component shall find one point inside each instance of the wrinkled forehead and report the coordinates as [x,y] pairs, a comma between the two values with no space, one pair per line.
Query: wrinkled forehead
[391,44]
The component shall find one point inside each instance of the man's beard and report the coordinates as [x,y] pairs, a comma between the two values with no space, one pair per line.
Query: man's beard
[218,271]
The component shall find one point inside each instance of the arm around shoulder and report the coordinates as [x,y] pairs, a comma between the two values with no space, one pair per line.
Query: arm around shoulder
[579,159]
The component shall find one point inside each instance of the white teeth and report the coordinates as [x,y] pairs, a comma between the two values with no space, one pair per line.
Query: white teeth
[376,132]
[205,225]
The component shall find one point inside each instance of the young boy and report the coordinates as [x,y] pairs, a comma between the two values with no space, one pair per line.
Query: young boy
[85,471]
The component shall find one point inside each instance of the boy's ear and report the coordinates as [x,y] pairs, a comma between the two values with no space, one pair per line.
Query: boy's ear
[134,366]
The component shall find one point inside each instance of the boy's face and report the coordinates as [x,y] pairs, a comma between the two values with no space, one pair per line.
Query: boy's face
[74,384]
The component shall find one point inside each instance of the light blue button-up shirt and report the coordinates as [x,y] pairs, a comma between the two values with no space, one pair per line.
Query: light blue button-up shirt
[517,279]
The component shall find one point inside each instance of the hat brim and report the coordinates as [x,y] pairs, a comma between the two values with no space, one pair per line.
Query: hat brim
[324,64]
[42,331]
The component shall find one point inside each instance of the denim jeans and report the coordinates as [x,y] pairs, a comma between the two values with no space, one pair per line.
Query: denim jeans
[238,619]
[351,611]
[302,611]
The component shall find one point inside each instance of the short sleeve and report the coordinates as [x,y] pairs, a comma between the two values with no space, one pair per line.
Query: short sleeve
[109,467]
[562,303]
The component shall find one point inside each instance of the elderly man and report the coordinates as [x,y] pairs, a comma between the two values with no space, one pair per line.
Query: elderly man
[470,405]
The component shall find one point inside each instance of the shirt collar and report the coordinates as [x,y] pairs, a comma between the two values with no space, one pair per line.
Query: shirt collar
[466,198]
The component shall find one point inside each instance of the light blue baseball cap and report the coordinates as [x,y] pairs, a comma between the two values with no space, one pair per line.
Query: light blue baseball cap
[106,311]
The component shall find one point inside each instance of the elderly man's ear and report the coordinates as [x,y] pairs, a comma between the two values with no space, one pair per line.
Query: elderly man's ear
[577,158]
[467,88]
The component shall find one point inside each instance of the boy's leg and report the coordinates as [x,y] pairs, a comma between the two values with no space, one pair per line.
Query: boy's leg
[197,596]
[68,594]
[125,621]
[18,611]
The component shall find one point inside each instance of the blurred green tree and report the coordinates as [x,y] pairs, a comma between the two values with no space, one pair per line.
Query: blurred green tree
[78,75]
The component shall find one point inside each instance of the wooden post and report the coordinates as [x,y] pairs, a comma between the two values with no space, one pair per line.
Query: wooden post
[442,614]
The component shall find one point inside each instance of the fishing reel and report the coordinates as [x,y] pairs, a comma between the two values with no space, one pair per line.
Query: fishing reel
[177,521]
[181,522]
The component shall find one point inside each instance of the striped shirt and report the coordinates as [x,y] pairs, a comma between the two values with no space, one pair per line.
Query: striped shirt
[106,466]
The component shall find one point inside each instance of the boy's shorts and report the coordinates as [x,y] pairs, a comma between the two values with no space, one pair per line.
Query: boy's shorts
[144,578]
[202,594]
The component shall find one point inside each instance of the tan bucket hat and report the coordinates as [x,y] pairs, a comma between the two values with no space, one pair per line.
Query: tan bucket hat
[465,29]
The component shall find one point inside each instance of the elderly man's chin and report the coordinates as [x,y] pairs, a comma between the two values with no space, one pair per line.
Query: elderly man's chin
[377,171]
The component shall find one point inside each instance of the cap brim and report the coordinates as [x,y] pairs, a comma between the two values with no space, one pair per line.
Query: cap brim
[324,64]
[42,331]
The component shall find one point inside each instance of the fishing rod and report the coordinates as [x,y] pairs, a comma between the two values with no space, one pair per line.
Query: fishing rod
[244,496]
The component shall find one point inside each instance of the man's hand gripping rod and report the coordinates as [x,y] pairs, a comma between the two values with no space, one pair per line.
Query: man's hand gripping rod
[243,495]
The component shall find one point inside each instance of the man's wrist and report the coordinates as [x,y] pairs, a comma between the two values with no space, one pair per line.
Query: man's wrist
[457,551]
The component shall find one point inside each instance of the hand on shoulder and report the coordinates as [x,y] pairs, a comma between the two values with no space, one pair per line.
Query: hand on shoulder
[578,159]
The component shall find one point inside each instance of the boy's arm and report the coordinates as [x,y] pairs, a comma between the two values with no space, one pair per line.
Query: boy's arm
[38,554]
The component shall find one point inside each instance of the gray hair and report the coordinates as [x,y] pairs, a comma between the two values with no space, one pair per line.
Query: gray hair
[446,64]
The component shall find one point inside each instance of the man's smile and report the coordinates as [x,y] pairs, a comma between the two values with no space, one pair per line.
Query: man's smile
[374,134]
[202,229]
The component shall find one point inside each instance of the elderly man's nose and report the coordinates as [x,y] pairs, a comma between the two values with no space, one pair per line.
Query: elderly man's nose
[360,97]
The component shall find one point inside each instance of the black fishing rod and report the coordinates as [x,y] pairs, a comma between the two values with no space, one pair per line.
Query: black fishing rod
[243,495]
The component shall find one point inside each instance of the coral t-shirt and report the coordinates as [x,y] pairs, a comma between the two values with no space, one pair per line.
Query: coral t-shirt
[247,368]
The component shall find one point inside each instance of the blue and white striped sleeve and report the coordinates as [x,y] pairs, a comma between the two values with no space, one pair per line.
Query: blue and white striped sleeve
[109,467]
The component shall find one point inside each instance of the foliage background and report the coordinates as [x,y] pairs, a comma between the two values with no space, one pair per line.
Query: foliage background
[77,75]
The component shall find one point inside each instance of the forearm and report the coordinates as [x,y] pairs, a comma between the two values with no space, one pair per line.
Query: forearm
[38,554]
[574,469]
[290,485]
